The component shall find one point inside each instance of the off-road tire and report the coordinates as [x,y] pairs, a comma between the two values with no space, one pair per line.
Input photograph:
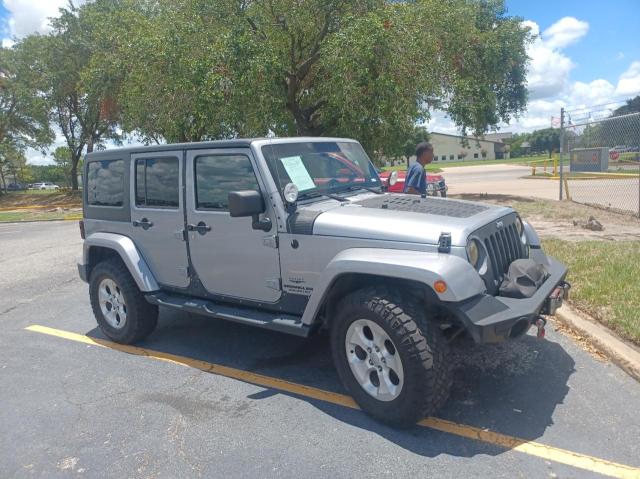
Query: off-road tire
[422,347]
[142,317]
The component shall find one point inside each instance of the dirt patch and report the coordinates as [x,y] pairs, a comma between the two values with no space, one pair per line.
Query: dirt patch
[583,341]
[42,199]
[565,219]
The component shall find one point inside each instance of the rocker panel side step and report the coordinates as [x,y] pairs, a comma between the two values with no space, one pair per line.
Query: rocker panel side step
[280,322]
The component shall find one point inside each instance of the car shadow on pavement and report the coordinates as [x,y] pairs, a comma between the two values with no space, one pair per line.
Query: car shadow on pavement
[510,388]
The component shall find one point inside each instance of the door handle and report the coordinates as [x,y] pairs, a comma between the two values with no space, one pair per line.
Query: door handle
[201,228]
[144,223]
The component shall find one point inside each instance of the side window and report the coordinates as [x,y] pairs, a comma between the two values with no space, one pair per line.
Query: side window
[218,175]
[157,183]
[105,183]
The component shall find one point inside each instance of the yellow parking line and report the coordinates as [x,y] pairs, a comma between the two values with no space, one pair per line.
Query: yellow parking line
[563,456]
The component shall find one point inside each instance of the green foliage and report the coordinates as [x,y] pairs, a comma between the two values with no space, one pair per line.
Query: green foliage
[632,106]
[58,62]
[191,70]
[50,173]
[12,164]
[24,118]
[369,69]
[546,141]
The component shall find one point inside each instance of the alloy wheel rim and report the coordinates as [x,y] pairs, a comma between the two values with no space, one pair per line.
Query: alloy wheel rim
[374,360]
[112,303]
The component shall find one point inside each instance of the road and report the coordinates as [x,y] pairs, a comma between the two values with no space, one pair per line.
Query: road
[508,179]
[71,408]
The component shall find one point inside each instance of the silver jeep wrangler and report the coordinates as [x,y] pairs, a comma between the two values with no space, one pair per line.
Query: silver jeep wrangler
[296,235]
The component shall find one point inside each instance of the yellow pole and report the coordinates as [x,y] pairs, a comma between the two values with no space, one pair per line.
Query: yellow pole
[533,169]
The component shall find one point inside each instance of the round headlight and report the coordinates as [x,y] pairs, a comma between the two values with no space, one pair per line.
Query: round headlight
[291,193]
[473,252]
[519,226]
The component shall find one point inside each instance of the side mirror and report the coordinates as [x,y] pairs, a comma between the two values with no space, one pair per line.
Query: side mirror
[393,178]
[249,203]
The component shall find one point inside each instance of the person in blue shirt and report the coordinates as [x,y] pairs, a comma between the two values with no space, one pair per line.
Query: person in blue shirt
[416,181]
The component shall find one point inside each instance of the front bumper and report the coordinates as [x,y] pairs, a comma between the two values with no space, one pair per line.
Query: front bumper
[491,319]
[83,272]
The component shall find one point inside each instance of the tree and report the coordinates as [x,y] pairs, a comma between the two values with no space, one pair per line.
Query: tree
[12,164]
[632,106]
[369,69]
[546,140]
[63,159]
[23,116]
[60,60]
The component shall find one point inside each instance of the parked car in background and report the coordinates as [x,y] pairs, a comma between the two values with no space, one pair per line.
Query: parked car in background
[16,187]
[44,186]
[436,185]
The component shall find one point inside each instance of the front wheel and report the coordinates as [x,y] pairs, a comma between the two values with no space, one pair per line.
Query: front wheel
[389,357]
[121,310]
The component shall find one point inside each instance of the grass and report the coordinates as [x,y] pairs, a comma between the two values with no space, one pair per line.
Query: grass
[40,198]
[606,281]
[17,216]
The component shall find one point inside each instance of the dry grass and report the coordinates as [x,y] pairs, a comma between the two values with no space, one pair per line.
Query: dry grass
[41,198]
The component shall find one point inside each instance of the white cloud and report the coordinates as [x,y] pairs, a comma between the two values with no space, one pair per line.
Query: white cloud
[629,83]
[549,81]
[30,16]
[564,32]
[549,68]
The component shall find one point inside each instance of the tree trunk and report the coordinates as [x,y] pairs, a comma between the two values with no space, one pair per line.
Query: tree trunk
[3,185]
[74,175]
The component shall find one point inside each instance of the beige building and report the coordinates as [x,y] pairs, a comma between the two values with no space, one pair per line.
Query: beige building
[448,148]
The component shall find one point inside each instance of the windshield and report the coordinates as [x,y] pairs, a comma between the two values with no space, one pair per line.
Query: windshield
[317,168]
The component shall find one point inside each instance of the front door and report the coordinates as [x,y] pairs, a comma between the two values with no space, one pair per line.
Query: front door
[157,214]
[230,257]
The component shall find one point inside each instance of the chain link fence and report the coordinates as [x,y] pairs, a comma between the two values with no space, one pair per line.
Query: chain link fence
[601,159]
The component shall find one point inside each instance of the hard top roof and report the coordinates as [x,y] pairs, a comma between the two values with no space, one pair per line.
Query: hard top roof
[201,145]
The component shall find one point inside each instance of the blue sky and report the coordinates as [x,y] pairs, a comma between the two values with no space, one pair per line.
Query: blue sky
[587,53]
[612,39]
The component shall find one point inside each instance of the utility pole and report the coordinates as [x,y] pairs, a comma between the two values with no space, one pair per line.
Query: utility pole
[561,149]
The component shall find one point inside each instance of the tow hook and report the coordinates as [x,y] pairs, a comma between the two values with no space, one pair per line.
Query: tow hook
[540,324]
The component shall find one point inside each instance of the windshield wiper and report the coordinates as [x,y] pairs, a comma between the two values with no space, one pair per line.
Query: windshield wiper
[326,195]
[368,188]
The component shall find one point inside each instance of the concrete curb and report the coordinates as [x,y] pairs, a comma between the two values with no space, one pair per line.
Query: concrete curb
[625,355]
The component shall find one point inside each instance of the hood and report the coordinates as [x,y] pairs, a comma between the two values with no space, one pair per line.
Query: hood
[404,218]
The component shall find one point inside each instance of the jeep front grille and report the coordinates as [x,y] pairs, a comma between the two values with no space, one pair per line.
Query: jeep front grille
[503,246]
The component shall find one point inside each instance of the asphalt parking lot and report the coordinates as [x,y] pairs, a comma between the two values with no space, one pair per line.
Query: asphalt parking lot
[207,398]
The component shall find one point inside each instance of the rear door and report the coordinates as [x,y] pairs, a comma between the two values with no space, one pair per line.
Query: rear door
[230,257]
[157,215]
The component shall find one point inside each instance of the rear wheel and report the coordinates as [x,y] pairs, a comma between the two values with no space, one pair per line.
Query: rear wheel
[121,310]
[389,357]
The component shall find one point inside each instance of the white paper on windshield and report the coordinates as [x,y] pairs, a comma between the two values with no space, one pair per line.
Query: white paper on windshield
[298,173]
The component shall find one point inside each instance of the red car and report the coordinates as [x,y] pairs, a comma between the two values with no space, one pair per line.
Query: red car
[435,183]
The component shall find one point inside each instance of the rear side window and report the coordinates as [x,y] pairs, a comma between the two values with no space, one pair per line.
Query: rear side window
[218,175]
[157,183]
[105,183]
